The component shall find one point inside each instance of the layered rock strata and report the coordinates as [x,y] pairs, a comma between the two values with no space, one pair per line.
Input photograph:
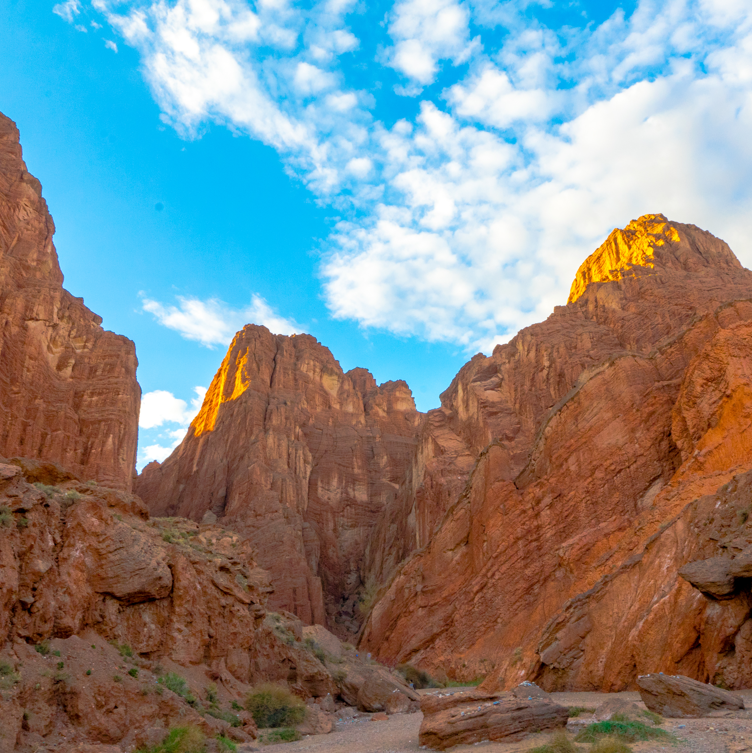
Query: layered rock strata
[115,627]
[68,389]
[588,433]
[299,456]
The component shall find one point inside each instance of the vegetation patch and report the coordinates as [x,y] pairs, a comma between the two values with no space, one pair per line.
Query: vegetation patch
[419,678]
[610,745]
[226,716]
[180,740]
[43,648]
[177,685]
[47,490]
[464,683]
[8,676]
[275,736]
[316,650]
[625,731]
[225,744]
[559,743]
[575,711]
[275,706]
[6,517]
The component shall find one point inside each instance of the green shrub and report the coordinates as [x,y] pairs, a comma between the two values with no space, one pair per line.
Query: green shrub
[464,683]
[56,653]
[60,664]
[88,672]
[225,744]
[236,706]
[211,694]
[123,649]
[22,523]
[177,685]
[284,735]
[226,716]
[576,711]
[117,678]
[315,649]
[418,677]
[625,731]
[42,648]
[559,743]
[610,745]
[8,676]
[6,517]
[339,675]
[49,491]
[275,706]
[180,740]
[133,672]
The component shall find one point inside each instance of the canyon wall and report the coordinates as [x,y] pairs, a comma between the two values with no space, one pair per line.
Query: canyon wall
[588,434]
[68,389]
[301,457]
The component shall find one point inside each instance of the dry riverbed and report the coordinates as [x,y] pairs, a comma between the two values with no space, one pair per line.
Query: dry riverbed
[399,733]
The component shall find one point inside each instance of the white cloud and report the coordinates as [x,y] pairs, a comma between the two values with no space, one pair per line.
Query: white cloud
[67,10]
[161,407]
[467,220]
[426,31]
[110,45]
[213,322]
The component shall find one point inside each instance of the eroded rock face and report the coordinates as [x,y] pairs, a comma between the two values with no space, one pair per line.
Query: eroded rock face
[68,389]
[98,601]
[302,458]
[587,434]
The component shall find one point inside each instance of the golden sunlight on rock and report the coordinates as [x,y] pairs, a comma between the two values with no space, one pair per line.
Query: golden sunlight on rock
[623,250]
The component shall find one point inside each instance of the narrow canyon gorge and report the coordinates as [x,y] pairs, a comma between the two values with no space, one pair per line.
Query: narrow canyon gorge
[577,512]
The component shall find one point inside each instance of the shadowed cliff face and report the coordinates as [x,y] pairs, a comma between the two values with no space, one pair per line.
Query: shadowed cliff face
[301,457]
[551,463]
[68,389]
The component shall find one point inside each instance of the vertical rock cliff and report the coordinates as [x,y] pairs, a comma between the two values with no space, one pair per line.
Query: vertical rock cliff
[68,389]
[552,464]
[301,457]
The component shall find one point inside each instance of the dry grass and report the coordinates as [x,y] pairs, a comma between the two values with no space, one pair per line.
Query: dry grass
[275,706]
[559,743]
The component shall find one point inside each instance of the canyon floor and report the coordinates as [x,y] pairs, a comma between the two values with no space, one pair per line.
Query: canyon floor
[399,734]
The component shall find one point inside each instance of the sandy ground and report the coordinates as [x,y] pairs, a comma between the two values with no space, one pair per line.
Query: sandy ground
[399,734]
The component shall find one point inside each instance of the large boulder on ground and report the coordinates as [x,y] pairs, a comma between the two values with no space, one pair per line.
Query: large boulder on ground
[372,687]
[475,716]
[677,696]
[316,722]
[326,640]
[529,690]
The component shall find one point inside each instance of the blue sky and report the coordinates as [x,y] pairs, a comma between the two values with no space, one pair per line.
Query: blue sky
[409,181]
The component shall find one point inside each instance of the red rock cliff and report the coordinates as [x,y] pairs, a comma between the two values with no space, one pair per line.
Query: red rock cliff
[299,456]
[552,463]
[68,389]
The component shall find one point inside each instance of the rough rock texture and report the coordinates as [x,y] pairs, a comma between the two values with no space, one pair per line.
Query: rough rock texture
[676,696]
[474,716]
[588,434]
[97,599]
[299,456]
[68,389]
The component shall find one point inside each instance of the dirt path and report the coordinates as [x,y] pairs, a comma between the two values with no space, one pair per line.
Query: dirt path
[399,734]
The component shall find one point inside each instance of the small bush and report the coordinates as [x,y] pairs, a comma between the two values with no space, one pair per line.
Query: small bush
[177,685]
[610,745]
[418,677]
[225,744]
[117,678]
[576,711]
[655,718]
[56,653]
[5,669]
[73,495]
[88,672]
[8,676]
[42,648]
[625,731]
[49,491]
[339,675]
[211,694]
[236,706]
[22,523]
[559,743]
[275,706]
[287,735]
[180,740]
[133,672]
[167,537]
[226,716]
[60,664]
[6,517]
[124,649]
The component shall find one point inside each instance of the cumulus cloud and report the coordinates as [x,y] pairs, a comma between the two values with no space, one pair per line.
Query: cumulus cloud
[467,218]
[110,45]
[159,409]
[212,322]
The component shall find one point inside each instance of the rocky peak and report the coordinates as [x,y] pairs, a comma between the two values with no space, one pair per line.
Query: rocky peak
[68,389]
[649,245]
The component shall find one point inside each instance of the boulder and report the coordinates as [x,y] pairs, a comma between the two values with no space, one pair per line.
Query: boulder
[475,716]
[381,691]
[529,690]
[741,565]
[328,641]
[676,696]
[712,577]
[317,722]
